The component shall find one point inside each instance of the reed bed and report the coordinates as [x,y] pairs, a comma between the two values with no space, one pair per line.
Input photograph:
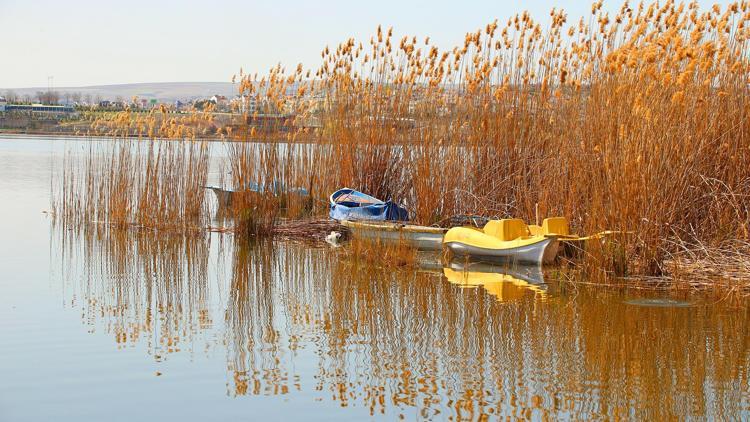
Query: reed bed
[158,122]
[703,266]
[636,121]
[127,183]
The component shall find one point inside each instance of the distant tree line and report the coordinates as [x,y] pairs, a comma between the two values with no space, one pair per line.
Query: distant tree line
[51,97]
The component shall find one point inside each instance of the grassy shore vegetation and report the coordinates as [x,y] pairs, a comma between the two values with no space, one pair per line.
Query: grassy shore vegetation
[154,184]
[637,122]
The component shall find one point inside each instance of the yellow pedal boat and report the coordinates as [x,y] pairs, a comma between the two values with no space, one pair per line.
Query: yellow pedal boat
[507,240]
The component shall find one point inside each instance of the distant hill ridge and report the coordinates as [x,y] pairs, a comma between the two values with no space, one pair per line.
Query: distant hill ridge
[162,91]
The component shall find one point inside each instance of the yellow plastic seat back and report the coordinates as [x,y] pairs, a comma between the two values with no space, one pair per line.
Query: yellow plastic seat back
[535,230]
[556,225]
[506,229]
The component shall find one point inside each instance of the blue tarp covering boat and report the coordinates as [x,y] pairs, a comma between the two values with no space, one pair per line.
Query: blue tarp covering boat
[349,204]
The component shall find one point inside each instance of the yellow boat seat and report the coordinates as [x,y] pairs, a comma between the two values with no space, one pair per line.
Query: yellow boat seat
[556,225]
[535,230]
[506,229]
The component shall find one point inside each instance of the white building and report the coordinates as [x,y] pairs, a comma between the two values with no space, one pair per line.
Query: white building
[244,103]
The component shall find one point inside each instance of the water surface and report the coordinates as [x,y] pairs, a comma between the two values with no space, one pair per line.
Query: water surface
[144,326]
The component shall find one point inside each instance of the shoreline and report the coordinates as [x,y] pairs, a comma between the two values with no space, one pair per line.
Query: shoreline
[19,134]
[50,135]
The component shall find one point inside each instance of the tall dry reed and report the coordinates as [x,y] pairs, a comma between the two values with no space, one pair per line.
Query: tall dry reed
[121,183]
[636,122]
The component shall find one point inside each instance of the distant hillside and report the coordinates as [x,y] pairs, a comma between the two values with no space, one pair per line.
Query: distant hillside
[164,91]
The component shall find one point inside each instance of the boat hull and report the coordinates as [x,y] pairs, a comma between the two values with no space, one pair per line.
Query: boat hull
[541,252]
[223,197]
[226,197]
[419,237]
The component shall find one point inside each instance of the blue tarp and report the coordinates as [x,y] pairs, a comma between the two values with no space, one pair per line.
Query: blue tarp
[349,204]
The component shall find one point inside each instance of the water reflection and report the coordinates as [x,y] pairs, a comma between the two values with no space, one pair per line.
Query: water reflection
[141,287]
[505,283]
[294,320]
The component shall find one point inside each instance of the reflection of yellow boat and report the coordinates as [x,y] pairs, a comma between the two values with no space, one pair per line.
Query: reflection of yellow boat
[503,283]
[420,237]
[503,240]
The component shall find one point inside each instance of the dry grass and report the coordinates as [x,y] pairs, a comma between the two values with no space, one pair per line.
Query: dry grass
[314,230]
[637,121]
[727,265]
[633,122]
[135,183]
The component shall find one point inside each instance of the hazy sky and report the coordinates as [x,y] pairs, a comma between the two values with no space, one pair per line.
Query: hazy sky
[104,42]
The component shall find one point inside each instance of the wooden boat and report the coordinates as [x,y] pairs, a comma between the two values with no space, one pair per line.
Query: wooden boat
[420,237]
[223,196]
[507,240]
[226,197]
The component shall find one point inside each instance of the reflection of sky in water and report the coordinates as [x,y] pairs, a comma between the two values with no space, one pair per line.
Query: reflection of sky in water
[87,321]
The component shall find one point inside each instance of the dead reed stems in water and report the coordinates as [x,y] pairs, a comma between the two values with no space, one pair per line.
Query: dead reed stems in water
[135,183]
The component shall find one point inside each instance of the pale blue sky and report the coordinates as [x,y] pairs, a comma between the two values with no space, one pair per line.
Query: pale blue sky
[91,42]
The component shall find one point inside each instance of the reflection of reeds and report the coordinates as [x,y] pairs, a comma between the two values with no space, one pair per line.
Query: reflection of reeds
[380,252]
[299,319]
[142,287]
[395,341]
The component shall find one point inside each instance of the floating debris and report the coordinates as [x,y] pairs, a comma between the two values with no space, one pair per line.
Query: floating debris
[660,303]
[317,230]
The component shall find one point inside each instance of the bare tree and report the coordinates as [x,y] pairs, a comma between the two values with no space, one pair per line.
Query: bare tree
[11,96]
[48,97]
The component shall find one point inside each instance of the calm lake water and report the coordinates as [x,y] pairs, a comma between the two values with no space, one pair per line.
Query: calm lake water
[138,326]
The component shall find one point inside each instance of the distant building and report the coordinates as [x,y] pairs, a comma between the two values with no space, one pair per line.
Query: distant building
[244,103]
[40,109]
[222,104]
[3,103]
